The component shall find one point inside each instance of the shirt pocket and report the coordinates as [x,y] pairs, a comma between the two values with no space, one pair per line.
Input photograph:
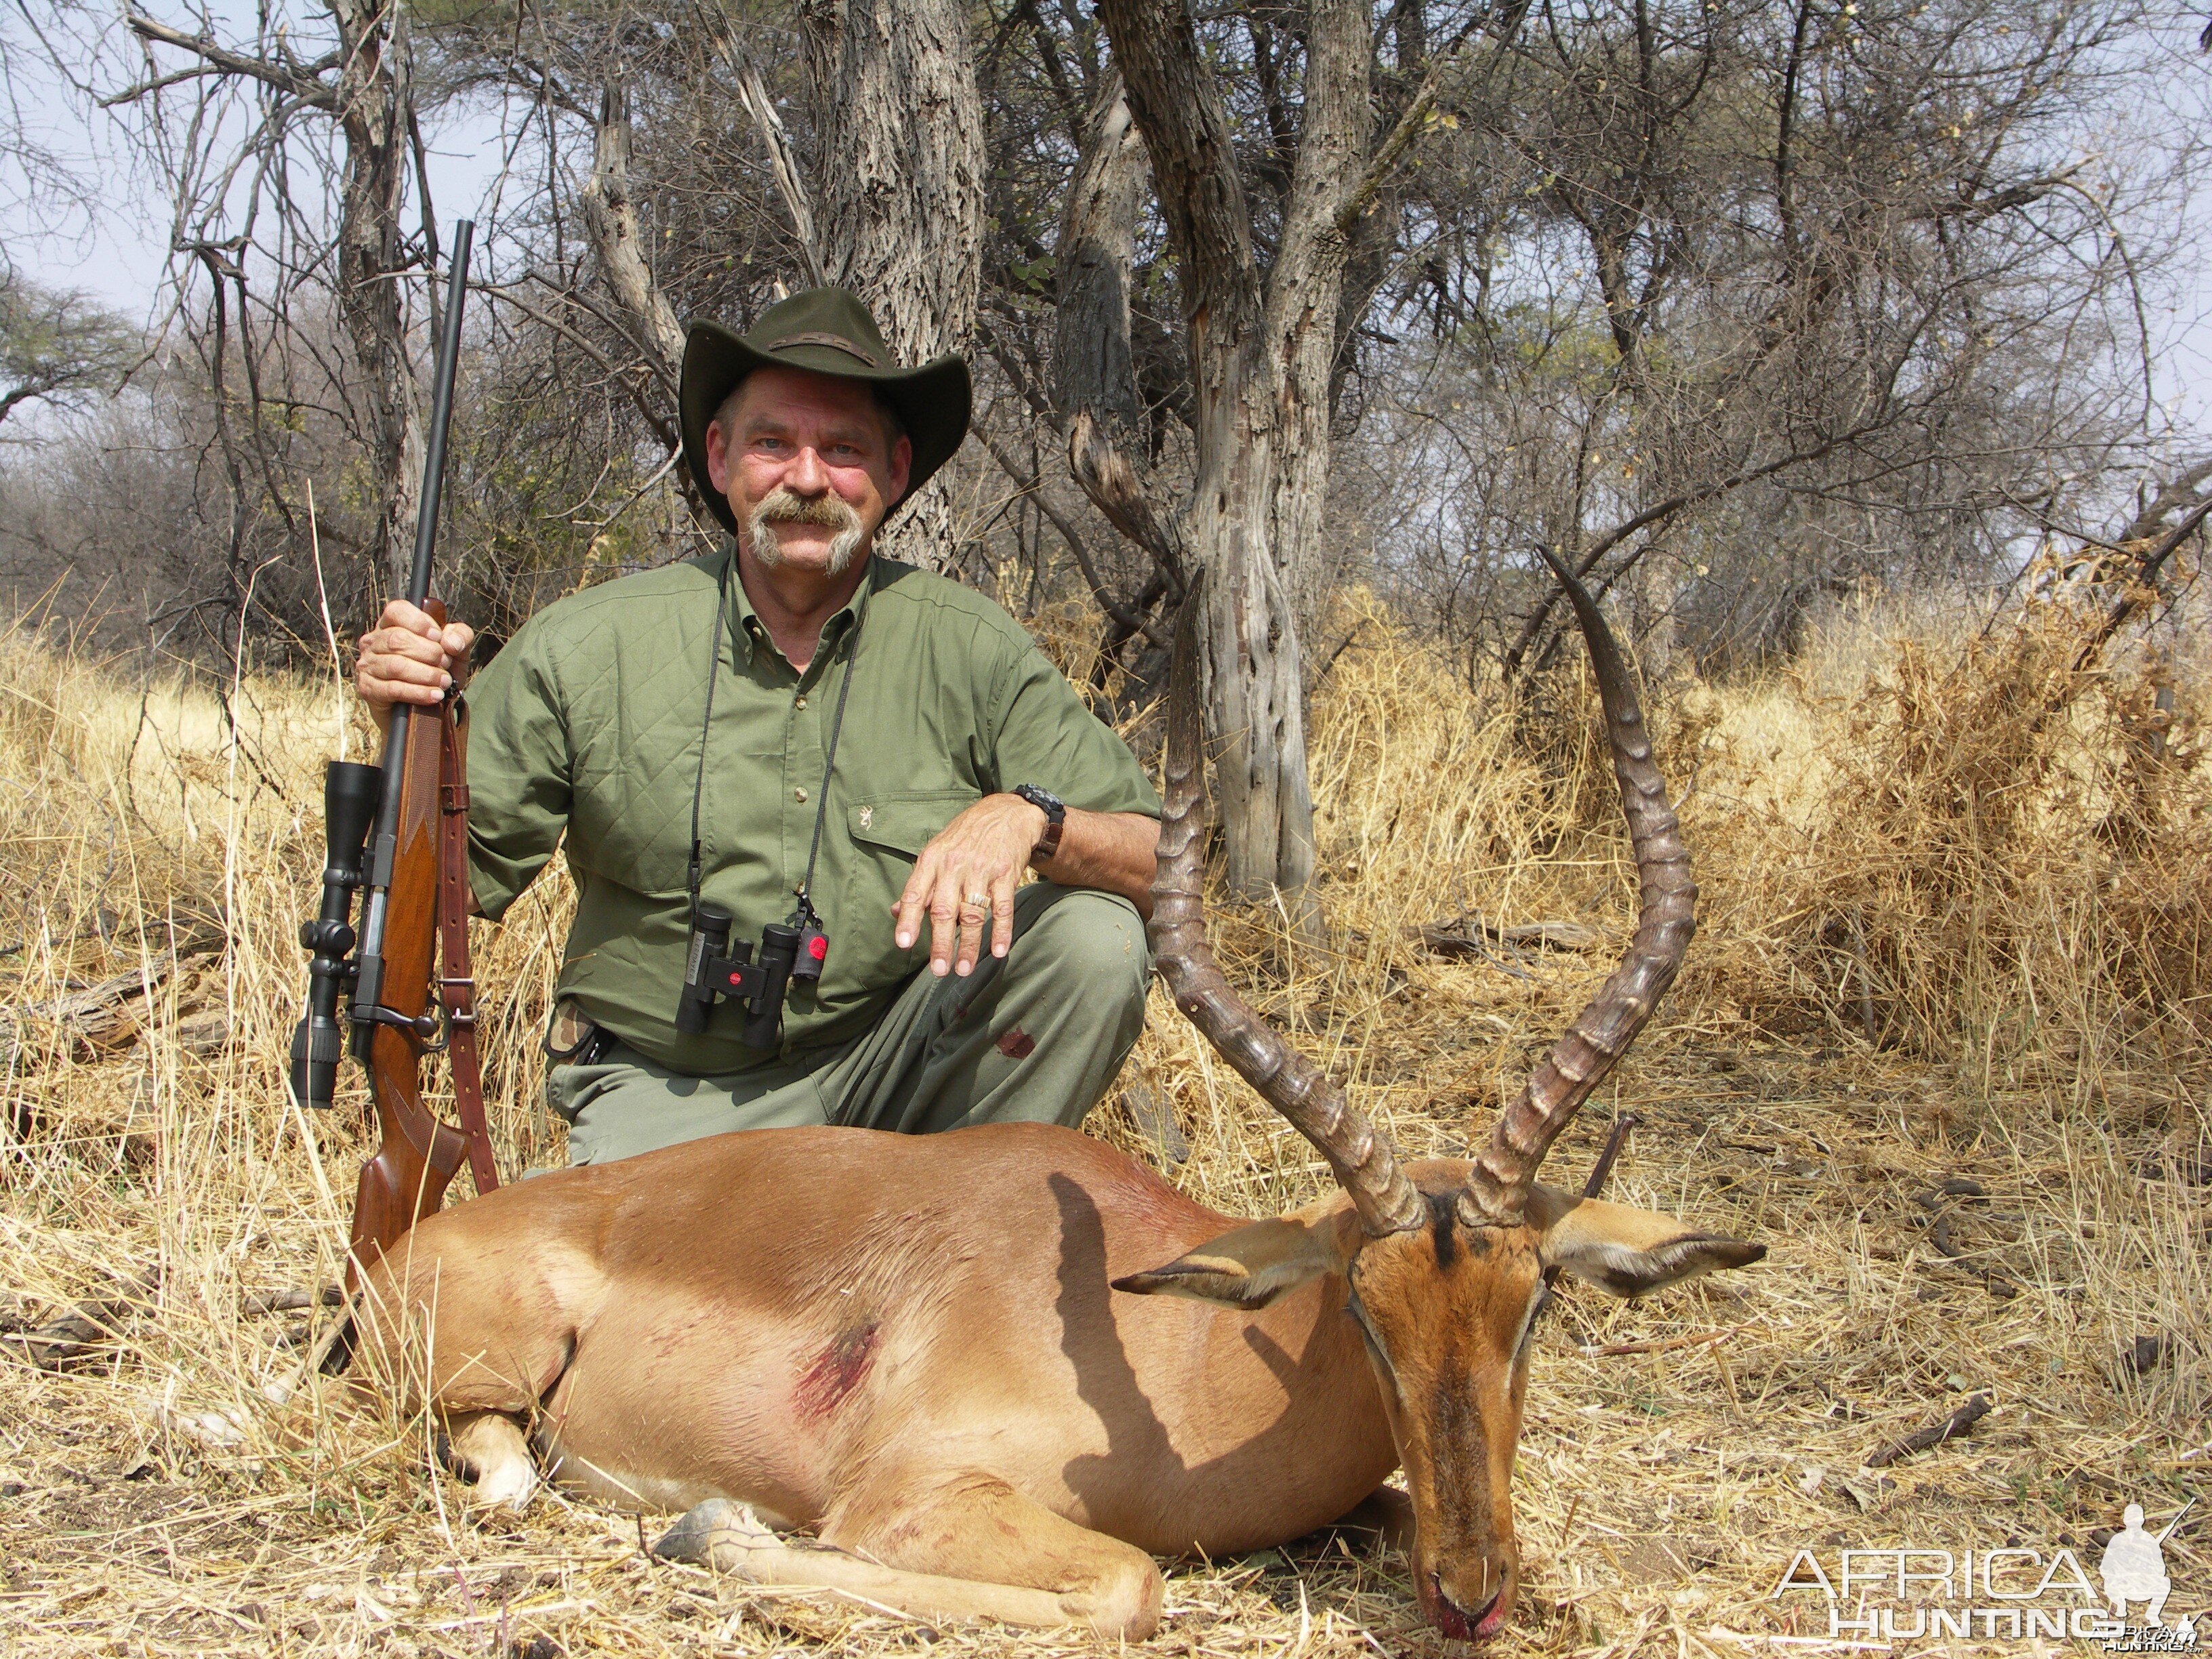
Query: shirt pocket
[888,832]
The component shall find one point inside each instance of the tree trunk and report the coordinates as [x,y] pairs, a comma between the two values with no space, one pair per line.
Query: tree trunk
[609,215]
[374,95]
[1306,285]
[611,222]
[1260,352]
[899,193]
[1094,370]
[1254,671]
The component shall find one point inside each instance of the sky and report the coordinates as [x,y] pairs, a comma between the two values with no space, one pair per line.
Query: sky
[114,246]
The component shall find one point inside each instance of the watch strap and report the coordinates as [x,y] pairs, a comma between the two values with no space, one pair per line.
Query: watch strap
[1055,819]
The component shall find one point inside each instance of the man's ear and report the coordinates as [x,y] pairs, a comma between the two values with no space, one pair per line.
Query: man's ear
[1258,1262]
[901,467]
[717,458]
[1625,1251]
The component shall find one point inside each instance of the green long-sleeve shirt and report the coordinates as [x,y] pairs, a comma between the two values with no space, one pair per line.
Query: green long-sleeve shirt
[588,723]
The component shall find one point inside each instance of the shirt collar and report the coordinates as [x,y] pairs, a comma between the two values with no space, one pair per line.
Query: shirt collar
[747,629]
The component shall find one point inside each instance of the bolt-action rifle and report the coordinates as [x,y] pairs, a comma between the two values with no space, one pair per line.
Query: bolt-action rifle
[412,873]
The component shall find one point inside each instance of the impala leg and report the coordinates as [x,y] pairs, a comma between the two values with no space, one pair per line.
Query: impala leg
[1386,1513]
[971,1548]
[489,1449]
[975,1529]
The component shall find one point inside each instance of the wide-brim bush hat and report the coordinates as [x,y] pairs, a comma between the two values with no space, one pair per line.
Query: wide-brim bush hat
[830,331]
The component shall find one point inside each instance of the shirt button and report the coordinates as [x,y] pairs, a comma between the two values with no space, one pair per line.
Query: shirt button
[800,795]
[802,701]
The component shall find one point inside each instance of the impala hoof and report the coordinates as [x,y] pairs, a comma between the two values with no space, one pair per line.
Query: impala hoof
[512,1484]
[487,1449]
[716,1521]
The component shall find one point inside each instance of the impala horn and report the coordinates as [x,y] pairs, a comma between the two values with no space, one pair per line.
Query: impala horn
[1365,1165]
[1497,1185]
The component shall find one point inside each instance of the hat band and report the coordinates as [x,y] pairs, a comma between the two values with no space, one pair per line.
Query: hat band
[835,342]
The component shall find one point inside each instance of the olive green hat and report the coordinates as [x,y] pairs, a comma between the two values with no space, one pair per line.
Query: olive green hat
[828,331]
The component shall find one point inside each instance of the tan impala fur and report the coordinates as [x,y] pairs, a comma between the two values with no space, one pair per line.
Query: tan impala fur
[994,1373]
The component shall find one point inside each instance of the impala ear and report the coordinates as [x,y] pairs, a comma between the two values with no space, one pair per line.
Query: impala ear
[1258,1262]
[1626,1251]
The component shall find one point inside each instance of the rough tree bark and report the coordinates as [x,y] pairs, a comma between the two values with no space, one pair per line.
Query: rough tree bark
[610,223]
[1094,372]
[1260,348]
[898,191]
[642,309]
[375,96]
[1095,397]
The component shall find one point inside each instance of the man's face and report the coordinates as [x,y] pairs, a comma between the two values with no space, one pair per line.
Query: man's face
[807,466]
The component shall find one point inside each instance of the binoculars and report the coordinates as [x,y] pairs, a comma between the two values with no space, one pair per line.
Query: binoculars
[351,794]
[714,967]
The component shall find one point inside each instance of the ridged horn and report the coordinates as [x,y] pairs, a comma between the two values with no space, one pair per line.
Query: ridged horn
[1497,1185]
[1365,1165]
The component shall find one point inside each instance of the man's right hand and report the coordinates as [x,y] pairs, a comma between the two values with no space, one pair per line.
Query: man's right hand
[405,659]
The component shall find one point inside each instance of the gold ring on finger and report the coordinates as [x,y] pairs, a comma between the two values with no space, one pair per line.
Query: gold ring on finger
[980,901]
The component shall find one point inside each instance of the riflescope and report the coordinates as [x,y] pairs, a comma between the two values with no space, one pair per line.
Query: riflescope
[351,792]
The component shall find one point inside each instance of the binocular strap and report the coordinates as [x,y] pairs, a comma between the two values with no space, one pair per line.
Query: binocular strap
[457,990]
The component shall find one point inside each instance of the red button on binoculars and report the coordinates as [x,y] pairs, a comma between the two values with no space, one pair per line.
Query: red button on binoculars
[817,947]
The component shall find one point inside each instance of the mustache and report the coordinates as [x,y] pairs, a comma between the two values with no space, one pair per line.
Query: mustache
[832,511]
[781,506]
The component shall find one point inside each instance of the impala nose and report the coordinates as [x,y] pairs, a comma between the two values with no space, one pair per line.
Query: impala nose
[1472,1606]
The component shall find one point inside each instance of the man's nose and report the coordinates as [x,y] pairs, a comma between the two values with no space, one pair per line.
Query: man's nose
[807,476]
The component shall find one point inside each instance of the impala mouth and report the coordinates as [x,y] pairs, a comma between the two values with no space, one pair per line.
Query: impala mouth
[1459,1624]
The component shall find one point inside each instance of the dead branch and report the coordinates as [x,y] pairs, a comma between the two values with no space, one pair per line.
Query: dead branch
[783,160]
[1976,1408]
[1131,621]
[1111,483]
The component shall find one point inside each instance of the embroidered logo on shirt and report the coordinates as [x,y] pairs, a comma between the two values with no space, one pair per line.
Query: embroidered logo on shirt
[867,817]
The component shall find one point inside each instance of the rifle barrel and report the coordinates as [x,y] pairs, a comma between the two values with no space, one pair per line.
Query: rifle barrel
[441,415]
[369,988]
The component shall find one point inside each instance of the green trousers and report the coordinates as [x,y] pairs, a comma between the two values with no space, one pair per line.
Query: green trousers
[1033,1037]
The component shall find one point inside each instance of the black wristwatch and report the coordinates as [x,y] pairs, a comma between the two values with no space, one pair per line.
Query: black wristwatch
[1055,819]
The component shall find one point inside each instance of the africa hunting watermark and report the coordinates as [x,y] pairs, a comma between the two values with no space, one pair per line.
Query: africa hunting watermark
[2012,1593]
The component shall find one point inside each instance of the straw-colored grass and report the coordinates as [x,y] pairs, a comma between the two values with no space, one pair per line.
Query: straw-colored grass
[1950,931]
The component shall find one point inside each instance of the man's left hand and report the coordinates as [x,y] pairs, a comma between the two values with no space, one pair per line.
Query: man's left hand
[967,875]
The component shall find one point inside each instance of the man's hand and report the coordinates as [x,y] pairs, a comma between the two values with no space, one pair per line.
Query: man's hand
[405,659]
[966,875]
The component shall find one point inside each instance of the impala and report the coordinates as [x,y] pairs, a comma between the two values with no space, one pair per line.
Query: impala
[994,1373]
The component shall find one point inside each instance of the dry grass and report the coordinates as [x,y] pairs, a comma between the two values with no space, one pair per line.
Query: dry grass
[1946,937]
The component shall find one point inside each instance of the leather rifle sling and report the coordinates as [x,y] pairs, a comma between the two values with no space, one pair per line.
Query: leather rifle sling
[456,990]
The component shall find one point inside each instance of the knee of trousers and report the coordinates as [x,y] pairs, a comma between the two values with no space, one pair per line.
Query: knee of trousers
[1088,946]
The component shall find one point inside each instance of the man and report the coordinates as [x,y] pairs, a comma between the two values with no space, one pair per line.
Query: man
[875,752]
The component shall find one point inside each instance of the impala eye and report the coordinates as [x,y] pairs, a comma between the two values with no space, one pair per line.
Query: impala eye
[1367,1335]
[1537,1303]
